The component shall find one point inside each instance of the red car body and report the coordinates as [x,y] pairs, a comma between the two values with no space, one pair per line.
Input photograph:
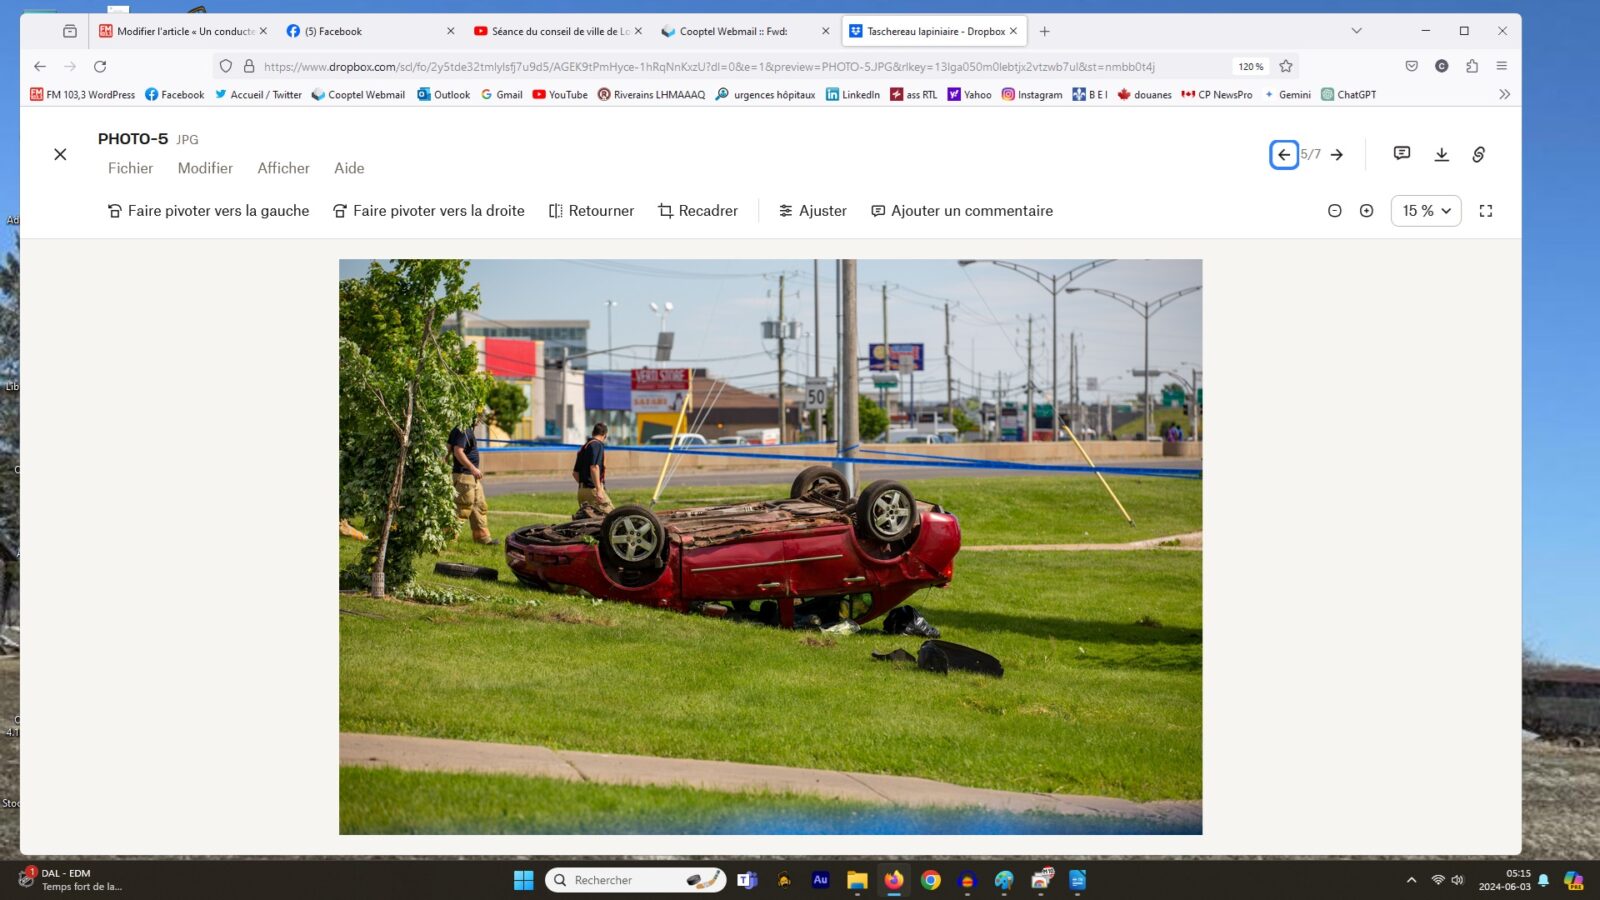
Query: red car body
[784,550]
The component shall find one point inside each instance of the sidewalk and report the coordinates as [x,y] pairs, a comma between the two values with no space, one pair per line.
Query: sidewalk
[441,755]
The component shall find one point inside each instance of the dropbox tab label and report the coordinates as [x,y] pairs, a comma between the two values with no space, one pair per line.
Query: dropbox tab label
[933,31]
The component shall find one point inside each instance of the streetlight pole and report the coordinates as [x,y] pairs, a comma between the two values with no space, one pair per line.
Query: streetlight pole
[1056,285]
[1146,309]
[610,337]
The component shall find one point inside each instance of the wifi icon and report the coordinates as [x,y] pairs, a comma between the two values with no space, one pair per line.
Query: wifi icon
[1438,879]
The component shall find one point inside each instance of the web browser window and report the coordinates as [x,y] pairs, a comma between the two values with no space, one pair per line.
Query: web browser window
[769,434]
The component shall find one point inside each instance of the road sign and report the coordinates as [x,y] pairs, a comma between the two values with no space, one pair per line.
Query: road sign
[817,393]
[659,390]
[1093,383]
[885,380]
[879,361]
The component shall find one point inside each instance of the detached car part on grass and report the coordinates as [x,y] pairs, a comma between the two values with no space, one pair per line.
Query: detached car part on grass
[817,545]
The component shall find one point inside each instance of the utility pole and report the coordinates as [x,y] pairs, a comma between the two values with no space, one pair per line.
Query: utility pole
[887,356]
[816,311]
[849,413]
[949,385]
[1027,425]
[999,401]
[782,419]
[1194,411]
[981,405]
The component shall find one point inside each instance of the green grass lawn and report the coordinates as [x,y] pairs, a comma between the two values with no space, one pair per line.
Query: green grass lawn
[391,801]
[1027,509]
[1102,651]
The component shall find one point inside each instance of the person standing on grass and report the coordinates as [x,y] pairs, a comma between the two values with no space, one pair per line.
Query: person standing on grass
[470,502]
[589,471]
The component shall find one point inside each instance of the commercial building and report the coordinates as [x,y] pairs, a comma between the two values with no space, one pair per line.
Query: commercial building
[561,337]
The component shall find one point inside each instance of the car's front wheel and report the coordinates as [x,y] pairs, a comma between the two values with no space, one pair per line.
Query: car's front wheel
[821,481]
[886,511]
[632,539]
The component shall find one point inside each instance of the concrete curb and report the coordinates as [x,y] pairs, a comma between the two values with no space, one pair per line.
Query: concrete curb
[444,755]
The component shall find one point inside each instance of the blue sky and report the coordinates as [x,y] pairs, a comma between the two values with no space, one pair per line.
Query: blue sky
[719,306]
[1561,326]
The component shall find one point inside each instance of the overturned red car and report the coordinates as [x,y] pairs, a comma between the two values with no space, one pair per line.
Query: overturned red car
[818,550]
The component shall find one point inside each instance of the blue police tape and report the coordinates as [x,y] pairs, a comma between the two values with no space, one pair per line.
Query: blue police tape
[932,462]
[979,463]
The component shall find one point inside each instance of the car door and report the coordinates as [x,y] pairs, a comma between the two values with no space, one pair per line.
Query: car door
[822,562]
[750,568]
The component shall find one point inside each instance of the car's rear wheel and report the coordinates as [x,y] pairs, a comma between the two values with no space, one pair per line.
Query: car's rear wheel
[632,539]
[822,481]
[886,511]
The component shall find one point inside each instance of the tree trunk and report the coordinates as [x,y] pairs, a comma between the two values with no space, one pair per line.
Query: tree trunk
[391,506]
[393,503]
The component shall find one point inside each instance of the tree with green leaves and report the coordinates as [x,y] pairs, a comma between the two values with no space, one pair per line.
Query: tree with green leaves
[962,421]
[506,404]
[404,382]
[873,421]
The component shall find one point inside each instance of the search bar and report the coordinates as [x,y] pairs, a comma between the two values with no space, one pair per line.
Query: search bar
[634,880]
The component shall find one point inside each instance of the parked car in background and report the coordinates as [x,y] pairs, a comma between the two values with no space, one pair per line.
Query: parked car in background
[732,441]
[821,552]
[686,439]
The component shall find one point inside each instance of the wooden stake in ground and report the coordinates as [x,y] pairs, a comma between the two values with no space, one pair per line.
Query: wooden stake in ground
[1097,474]
[672,447]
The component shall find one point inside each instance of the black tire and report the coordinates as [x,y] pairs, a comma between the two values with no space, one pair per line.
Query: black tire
[460,570]
[632,539]
[824,480]
[886,511]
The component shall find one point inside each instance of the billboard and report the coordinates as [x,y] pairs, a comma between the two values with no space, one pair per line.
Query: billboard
[659,390]
[876,361]
[511,357]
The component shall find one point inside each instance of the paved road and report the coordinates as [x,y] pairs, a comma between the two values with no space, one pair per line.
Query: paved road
[496,485]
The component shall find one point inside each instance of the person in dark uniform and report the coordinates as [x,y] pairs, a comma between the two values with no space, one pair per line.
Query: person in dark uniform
[589,471]
[470,502]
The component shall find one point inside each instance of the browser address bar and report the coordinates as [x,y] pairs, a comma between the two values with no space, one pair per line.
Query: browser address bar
[929,63]
[635,880]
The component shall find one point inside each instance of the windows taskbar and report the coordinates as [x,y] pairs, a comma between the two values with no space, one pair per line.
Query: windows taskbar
[818,879]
